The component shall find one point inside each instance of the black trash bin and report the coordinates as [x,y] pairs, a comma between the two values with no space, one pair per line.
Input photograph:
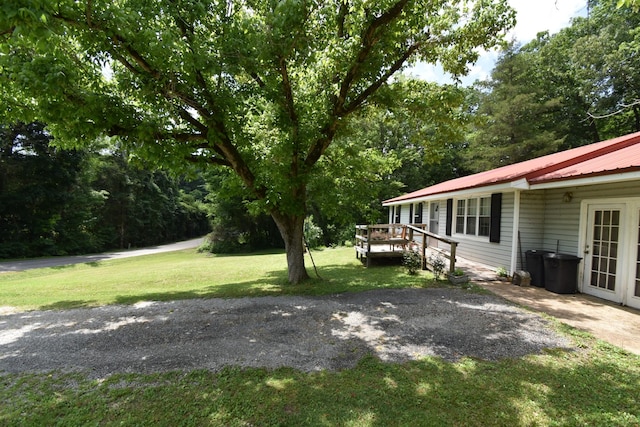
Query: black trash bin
[535,266]
[561,273]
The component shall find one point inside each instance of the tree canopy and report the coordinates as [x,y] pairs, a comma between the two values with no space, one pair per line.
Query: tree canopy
[560,91]
[260,86]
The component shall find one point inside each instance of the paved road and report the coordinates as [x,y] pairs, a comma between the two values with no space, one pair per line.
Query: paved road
[80,259]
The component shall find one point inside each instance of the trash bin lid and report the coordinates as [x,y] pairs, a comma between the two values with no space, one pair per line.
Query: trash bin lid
[562,257]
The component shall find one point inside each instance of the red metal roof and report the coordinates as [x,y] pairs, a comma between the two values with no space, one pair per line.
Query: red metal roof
[616,155]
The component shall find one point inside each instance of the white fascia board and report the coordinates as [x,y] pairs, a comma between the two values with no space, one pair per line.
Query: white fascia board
[520,184]
[593,180]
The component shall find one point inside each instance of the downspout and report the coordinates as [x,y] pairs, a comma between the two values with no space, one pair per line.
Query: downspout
[514,236]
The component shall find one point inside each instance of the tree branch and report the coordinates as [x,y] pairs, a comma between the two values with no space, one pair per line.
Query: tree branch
[369,39]
[621,110]
[342,14]
[87,12]
[353,105]
[9,30]
[288,91]
[340,110]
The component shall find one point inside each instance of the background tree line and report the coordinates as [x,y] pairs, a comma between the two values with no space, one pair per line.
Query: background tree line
[56,202]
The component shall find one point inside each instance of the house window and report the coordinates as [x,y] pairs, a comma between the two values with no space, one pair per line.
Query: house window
[397,212]
[473,216]
[417,213]
[484,216]
[460,215]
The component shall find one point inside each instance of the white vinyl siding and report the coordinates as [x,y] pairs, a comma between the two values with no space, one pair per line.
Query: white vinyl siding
[562,219]
[532,213]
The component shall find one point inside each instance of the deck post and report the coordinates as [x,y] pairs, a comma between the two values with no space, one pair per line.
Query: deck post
[423,251]
[452,261]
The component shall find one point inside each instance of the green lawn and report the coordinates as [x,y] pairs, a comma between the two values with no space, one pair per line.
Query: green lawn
[596,385]
[187,274]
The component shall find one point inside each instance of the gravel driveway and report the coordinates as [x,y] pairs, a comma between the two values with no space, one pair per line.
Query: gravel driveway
[307,333]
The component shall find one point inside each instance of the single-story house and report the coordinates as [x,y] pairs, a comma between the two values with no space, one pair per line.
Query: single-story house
[583,202]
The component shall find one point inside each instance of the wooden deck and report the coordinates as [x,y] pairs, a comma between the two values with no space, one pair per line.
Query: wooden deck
[392,240]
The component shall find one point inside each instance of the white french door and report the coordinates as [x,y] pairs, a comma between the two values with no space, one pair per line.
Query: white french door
[604,257]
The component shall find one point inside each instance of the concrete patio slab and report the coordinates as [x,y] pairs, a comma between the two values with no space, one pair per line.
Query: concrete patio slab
[610,322]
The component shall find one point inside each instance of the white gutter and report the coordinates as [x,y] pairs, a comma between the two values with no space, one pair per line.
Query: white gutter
[520,184]
[592,180]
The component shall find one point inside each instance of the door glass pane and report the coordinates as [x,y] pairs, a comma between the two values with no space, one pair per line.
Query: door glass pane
[613,250]
[594,279]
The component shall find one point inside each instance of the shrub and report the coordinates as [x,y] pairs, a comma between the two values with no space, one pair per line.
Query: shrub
[412,261]
[437,265]
[312,233]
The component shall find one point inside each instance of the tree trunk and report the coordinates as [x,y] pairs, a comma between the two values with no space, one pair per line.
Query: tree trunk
[292,230]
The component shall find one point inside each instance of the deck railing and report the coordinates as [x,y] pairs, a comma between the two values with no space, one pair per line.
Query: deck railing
[391,240]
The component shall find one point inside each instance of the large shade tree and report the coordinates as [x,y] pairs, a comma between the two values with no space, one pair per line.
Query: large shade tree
[259,86]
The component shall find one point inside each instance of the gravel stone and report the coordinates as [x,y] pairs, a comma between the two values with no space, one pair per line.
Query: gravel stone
[307,333]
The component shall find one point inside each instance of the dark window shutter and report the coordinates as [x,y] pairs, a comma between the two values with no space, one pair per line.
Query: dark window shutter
[410,213]
[449,217]
[496,216]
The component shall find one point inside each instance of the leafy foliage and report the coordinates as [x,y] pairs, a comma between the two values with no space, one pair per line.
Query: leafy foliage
[412,261]
[437,264]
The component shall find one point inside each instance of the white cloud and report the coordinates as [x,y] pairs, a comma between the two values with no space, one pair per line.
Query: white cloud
[532,17]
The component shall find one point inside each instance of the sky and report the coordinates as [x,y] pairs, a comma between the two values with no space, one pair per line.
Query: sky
[533,16]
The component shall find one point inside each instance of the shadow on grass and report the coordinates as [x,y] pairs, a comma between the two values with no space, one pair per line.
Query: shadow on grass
[559,388]
[335,279]
[68,305]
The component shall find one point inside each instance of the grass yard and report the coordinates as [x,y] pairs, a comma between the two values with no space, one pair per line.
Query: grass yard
[187,274]
[597,385]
